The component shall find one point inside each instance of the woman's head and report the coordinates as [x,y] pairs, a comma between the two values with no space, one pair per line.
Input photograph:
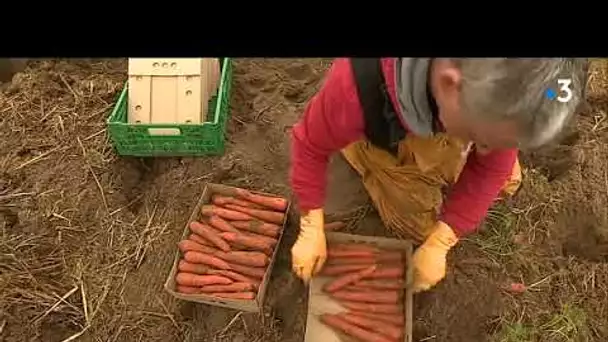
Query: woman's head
[506,102]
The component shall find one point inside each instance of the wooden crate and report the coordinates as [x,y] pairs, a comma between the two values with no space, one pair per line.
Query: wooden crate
[320,302]
[254,305]
[171,90]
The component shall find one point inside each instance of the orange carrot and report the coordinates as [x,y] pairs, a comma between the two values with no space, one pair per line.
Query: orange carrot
[396,284]
[396,319]
[333,226]
[264,215]
[221,224]
[388,272]
[238,277]
[204,242]
[210,234]
[348,279]
[370,296]
[221,201]
[227,214]
[235,295]
[259,227]
[338,323]
[354,287]
[189,267]
[372,307]
[334,270]
[255,272]
[370,324]
[187,289]
[275,203]
[252,242]
[234,287]
[201,258]
[257,259]
[193,280]
[199,239]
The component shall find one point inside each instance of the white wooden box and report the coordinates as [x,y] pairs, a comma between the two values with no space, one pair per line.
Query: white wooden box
[171,90]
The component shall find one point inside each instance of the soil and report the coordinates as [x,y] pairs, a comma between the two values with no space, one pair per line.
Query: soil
[88,237]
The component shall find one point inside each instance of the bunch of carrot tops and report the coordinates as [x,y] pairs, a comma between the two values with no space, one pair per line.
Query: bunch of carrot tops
[369,284]
[229,250]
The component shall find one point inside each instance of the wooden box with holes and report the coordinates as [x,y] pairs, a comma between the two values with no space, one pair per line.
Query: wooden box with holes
[172,107]
[171,90]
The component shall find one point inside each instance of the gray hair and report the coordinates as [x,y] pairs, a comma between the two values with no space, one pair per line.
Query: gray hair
[516,89]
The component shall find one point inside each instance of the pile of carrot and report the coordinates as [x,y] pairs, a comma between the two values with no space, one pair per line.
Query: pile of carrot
[229,249]
[368,282]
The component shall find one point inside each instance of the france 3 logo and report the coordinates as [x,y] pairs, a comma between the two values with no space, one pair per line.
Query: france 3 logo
[564,93]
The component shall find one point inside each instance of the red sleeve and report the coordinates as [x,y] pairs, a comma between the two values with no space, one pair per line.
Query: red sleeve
[333,119]
[478,186]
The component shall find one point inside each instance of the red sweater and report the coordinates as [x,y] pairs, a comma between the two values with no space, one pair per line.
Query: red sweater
[333,119]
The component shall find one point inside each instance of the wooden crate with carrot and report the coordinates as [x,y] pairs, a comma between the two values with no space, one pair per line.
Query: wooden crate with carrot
[226,253]
[361,293]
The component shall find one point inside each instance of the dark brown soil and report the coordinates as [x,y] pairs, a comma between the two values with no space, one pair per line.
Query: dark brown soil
[80,223]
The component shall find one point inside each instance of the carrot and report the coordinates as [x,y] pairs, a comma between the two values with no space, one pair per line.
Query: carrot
[204,242]
[187,289]
[250,241]
[221,224]
[188,267]
[255,272]
[387,272]
[275,203]
[191,279]
[221,201]
[201,258]
[348,279]
[394,319]
[372,307]
[210,234]
[370,296]
[370,324]
[227,214]
[199,239]
[338,323]
[268,240]
[381,284]
[259,227]
[334,270]
[234,287]
[257,259]
[332,226]
[264,215]
[235,295]
[238,277]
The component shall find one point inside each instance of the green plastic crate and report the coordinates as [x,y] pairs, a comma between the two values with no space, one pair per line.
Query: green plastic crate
[203,139]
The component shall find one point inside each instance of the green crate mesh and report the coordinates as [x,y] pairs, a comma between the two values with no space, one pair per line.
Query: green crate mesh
[203,139]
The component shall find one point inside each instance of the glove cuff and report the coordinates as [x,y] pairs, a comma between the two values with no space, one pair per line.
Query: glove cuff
[444,234]
[313,219]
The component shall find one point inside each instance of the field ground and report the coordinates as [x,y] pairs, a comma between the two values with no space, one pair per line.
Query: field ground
[87,237]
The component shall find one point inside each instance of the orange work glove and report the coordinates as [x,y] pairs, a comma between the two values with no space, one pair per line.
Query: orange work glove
[430,258]
[309,252]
